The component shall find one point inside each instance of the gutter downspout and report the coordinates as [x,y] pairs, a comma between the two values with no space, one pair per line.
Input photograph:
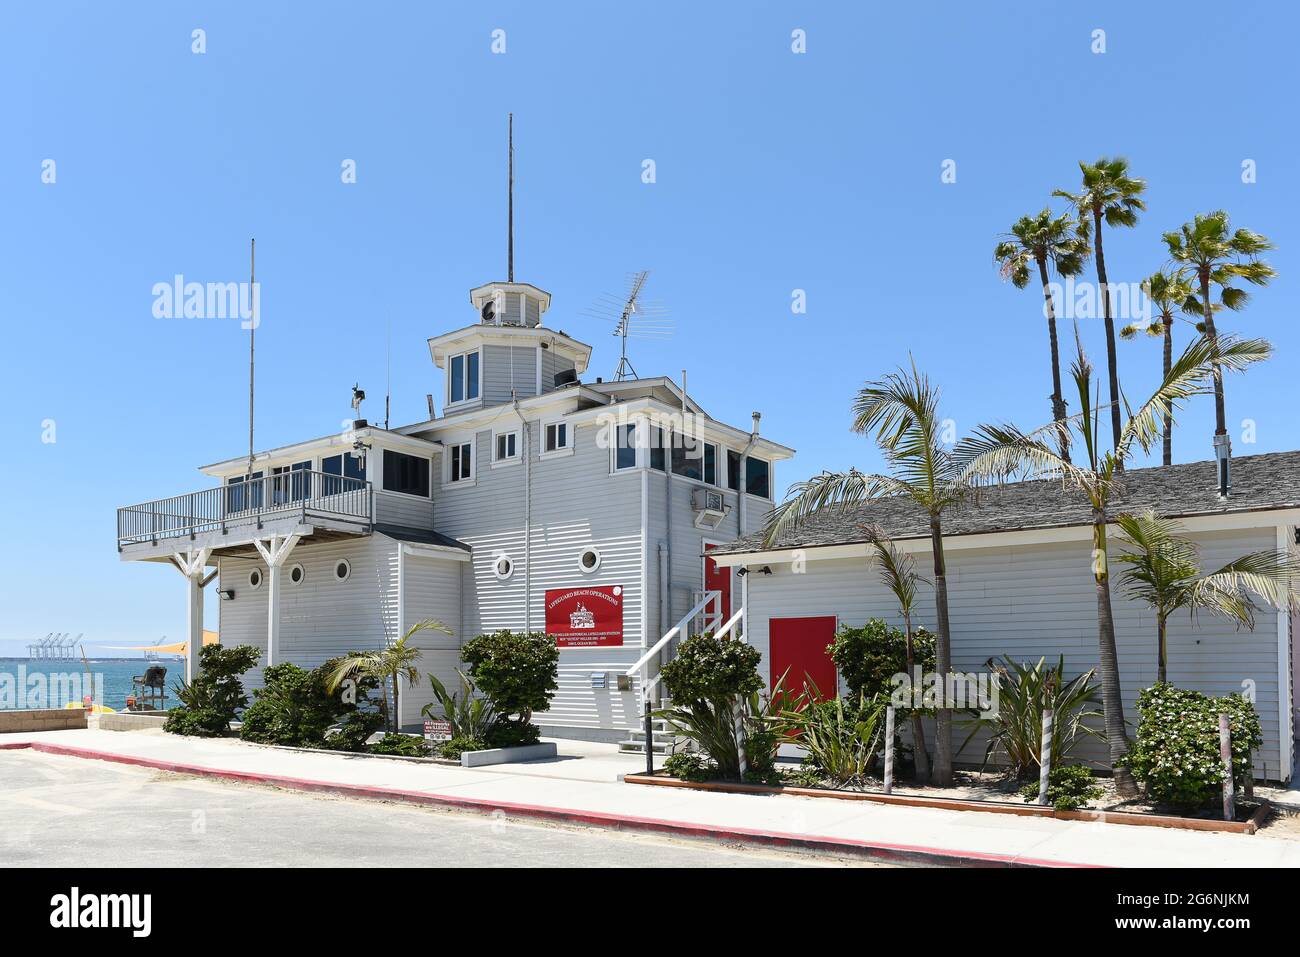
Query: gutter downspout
[527,431]
[740,495]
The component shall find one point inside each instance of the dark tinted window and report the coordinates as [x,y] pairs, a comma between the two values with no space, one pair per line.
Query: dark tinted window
[758,477]
[657,448]
[688,457]
[625,454]
[408,474]
[733,470]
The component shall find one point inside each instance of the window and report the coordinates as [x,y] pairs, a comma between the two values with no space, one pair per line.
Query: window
[688,457]
[657,448]
[460,462]
[255,579]
[297,574]
[347,467]
[503,567]
[462,377]
[589,560]
[733,470]
[407,474]
[710,463]
[291,483]
[556,437]
[506,447]
[625,447]
[758,475]
[240,498]
[342,569]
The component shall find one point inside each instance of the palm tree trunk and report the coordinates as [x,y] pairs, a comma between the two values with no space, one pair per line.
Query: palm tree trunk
[1161,659]
[1112,359]
[394,719]
[1058,403]
[1169,419]
[942,771]
[1212,334]
[1108,661]
[922,759]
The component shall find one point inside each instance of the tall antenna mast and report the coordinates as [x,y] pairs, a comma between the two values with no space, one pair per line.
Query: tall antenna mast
[252,333]
[635,318]
[510,215]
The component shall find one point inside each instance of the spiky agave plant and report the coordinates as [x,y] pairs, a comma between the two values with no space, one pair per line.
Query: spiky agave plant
[1024,692]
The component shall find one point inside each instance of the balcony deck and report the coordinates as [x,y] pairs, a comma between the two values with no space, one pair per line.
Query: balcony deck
[234,515]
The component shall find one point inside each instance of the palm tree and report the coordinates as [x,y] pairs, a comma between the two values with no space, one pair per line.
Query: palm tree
[1216,255]
[1163,570]
[1044,240]
[1000,452]
[902,410]
[1109,195]
[1169,292]
[388,664]
[898,572]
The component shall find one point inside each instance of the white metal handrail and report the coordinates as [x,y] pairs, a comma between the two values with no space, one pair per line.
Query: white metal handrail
[648,681]
[731,623]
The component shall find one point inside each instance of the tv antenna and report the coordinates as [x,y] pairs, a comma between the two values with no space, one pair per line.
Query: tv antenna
[635,317]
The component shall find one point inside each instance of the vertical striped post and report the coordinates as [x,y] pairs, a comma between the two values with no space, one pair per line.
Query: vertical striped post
[1225,752]
[740,739]
[1045,757]
[889,749]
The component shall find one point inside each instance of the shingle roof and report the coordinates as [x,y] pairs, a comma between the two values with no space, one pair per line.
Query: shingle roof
[1259,482]
[420,536]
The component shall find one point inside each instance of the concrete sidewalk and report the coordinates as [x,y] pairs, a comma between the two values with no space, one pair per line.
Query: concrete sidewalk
[580,787]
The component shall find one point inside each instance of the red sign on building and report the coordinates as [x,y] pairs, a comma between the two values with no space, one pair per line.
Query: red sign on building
[587,617]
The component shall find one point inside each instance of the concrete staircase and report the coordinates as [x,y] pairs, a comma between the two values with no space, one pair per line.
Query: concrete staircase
[663,740]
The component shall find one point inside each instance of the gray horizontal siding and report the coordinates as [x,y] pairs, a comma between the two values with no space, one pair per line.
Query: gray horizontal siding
[431,590]
[1035,601]
[507,368]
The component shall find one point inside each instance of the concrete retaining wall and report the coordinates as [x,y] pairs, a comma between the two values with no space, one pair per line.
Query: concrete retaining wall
[43,719]
[124,721]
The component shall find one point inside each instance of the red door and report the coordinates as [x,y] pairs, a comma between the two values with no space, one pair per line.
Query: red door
[797,649]
[718,578]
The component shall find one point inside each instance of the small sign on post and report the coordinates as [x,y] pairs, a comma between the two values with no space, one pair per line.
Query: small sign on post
[889,749]
[1225,752]
[1045,757]
[437,730]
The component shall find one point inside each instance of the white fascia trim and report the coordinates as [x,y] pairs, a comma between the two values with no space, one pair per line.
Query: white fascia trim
[423,550]
[1009,539]
[714,431]
[470,337]
[481,417]
[1285,718]
[326,445]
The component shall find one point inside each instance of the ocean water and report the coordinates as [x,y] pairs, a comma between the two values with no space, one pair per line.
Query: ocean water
[42,683]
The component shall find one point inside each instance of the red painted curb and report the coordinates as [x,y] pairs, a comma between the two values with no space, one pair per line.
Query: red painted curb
[905,853]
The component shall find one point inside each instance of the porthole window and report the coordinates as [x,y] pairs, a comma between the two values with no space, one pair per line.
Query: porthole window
[255,578]
[589,560]
[342,569]
[503,567]
[297,574]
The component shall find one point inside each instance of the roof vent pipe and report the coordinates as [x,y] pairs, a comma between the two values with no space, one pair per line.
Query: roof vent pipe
[757,417]
[1223,457]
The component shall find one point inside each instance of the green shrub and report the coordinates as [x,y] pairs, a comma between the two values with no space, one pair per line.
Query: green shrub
[689,766]
[807,775]
[1068,788]
[842,737]
[1176,753]
[403,745]
[470,716]
[869,656]
[354,731]
[711,683]
[512,734]
[209,703]
[707,669]
[518,673]
[293,707]
[1024,691]
[457,746]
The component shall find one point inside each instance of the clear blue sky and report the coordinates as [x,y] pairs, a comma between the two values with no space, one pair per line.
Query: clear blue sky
[775,172]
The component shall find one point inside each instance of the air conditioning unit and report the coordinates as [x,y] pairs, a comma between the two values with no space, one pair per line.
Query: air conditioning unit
[708,507]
